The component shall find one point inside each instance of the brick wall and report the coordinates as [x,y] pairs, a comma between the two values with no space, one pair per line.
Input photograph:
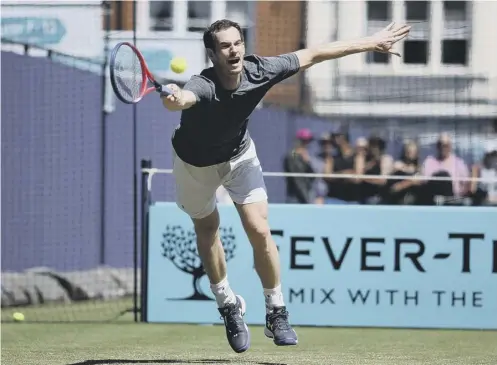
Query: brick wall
[121,15]
[278,30]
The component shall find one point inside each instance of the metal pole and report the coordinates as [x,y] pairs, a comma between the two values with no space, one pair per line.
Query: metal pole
[303,43]
[135,190]
[145,205]
[106,14]
[336,68]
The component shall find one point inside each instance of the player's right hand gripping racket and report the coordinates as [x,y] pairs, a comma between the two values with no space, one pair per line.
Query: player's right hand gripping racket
[130,76]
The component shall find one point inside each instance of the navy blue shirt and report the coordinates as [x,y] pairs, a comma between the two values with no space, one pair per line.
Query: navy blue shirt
[214,130]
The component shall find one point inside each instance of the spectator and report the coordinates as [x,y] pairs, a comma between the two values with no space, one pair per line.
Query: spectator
[485,192]
[361,155]
[487,135]
[377,162]
[299,190]
[405,191]
[341,190]
[361,147]
[447,164]
[324,158]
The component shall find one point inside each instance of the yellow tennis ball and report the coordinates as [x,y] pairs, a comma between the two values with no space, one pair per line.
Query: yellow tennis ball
[18,316]
[178,65]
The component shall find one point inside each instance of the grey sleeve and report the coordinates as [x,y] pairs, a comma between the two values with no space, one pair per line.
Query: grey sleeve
[279,68]
[200,87]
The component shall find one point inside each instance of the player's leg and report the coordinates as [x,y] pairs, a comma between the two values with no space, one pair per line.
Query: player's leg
[247,189]
[195,194]
[231,307]
[254,220]
[211,253]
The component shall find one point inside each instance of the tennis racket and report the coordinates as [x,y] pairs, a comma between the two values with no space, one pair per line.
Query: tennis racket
[129,74]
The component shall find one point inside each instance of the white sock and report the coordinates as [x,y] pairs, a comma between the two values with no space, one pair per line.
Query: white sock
[223,293]
[274,298]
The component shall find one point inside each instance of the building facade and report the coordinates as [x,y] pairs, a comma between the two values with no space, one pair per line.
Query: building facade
[447,69]
[270,28]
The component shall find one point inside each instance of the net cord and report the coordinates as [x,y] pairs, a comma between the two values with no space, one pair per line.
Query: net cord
[153,171]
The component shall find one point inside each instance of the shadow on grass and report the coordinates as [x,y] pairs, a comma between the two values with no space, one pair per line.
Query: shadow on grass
[165,361]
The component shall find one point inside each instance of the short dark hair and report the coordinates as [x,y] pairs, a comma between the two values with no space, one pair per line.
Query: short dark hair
[377,141]
[403,153]
[217,26]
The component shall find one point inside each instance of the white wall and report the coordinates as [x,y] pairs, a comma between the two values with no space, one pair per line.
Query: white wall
[484,43]
[321,13]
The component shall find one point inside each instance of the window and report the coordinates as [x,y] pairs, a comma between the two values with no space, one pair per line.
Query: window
[456,33]
[377,57]
[199,15]
[238,12]
[379,14]
[161,15]
[417,10]
[416,52]
[446,25]
[416,48]
[379,10]
[454,52]
[455,10]
[187,16]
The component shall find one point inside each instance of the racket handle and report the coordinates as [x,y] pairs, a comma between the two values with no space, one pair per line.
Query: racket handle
[163,90]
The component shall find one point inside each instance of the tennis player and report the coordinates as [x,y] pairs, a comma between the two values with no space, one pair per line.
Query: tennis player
[212,147]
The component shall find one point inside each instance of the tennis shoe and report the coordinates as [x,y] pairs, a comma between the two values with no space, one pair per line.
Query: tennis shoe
[237,331]
[278,328]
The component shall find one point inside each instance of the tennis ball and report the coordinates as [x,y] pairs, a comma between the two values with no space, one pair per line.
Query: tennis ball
[18,317]
[178,65]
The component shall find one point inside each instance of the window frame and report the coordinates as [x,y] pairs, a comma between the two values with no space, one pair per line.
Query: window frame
[468,22]
[180,17]
[436,23]
[373,25]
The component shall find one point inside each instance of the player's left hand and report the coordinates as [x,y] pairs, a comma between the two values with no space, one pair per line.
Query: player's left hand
[384,40]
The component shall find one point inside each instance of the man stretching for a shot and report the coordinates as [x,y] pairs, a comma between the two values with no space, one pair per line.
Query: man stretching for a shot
[212,147]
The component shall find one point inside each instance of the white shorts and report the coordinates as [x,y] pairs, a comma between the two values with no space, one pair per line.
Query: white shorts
[196,186]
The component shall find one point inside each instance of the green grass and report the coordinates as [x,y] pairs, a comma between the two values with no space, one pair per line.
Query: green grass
[125,342]
[129,343]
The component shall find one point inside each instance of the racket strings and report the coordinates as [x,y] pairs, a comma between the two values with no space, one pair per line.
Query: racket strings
[128,74]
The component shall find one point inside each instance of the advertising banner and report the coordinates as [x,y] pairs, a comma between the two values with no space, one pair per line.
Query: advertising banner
[74,28]
[371,266]
[159,49]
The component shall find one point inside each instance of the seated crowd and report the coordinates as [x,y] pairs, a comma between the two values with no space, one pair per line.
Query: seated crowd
[368,157]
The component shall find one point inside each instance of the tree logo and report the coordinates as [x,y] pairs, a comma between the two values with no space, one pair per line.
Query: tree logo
[180,247]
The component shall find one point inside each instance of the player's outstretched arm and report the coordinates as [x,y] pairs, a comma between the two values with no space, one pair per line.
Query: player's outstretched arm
[382,41]
[179,100]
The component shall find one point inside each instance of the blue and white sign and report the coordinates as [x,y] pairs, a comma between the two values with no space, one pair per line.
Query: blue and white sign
[159,49]
[73,28]
[33,30]
[385,266]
